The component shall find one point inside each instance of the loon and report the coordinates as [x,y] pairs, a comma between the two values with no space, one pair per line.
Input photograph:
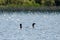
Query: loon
[20,26]
[33,25]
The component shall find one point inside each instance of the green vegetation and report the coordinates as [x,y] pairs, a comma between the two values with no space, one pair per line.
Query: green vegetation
[26,3]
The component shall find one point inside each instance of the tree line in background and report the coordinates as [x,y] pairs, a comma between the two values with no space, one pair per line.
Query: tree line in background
[29,3]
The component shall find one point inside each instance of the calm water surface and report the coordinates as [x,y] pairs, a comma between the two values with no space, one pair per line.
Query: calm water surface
[47,26]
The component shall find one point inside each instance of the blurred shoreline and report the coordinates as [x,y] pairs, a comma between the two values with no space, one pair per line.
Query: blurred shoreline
[46,8]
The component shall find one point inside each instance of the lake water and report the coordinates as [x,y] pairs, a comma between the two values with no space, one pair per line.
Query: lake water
[47,26]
